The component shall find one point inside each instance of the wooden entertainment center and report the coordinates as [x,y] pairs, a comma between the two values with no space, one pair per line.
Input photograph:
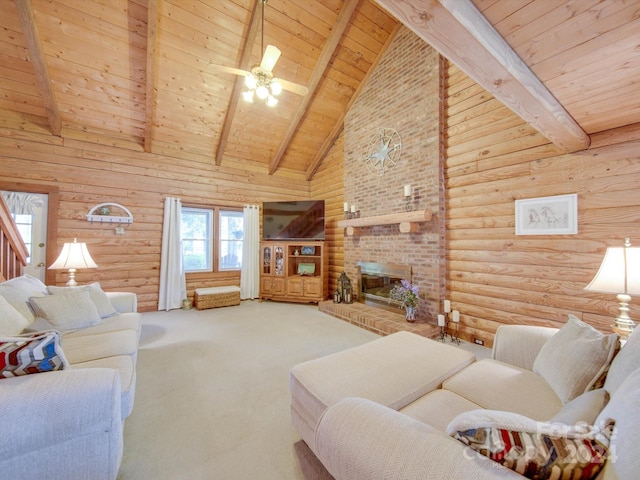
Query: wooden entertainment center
[294,271]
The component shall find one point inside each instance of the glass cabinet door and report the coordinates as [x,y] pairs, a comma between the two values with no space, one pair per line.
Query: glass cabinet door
[279,260]
[266,260]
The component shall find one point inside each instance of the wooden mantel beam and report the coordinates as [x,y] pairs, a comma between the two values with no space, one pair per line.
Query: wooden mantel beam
[36,53]
[459,31]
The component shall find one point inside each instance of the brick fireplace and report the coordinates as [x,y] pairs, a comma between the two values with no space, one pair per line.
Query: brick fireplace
[374,310]
[411,106]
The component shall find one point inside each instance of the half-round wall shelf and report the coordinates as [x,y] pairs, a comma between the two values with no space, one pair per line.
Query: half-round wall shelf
[407,221]
[110,213]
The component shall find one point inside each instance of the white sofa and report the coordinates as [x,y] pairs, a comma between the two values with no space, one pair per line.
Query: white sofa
[67,424]
[525,385]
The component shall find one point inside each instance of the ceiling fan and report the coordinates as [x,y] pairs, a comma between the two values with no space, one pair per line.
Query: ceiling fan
[260,81]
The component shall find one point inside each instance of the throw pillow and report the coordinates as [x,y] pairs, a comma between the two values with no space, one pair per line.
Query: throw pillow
[19,290]
[536,450]
[583,409]
[12,322]
[67,311]
[98,297]
[625,362]
[574,358]
[33,353]
[39,325]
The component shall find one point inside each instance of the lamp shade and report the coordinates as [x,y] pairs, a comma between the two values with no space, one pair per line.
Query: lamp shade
[74,255]
[619,272]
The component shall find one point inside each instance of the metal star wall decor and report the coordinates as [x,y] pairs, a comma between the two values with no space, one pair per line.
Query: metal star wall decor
[384,151]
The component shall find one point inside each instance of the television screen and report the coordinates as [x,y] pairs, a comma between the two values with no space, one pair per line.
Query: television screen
[298,220]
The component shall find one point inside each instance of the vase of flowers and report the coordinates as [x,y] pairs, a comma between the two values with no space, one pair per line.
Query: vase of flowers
[407,294]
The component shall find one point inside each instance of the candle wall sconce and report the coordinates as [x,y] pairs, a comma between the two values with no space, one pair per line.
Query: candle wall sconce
[350,212]
[408,195]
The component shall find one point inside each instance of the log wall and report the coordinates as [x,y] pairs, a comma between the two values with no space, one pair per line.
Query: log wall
[87,173]
[493,158]
[328,185]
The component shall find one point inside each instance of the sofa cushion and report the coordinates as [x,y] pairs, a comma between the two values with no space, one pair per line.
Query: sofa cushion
[125,366]
[438,408]
[122,321]
[625,362]
[574,358]
[67,311]
[102,345]
[536,450]
[583,409]
[98,297]
[12,322]
[32,353]
[499,386]
[19,290]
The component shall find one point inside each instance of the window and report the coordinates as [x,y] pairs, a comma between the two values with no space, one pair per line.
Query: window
[211,239]
[230,240]
[24,224]
[196,229]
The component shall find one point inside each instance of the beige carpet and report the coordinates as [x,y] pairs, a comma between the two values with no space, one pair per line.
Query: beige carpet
[212,396]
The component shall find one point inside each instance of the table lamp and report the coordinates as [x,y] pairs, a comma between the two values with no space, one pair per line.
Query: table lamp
[619,273]
[73,256]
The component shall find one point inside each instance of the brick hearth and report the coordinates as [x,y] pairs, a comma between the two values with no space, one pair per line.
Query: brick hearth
[377,320]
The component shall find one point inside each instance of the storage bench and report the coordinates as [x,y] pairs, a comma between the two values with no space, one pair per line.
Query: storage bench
[216,297]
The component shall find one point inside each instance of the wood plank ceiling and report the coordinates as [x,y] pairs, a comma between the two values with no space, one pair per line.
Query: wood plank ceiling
[137,73]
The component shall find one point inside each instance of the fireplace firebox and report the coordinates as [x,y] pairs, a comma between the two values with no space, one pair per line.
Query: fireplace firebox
[375,281]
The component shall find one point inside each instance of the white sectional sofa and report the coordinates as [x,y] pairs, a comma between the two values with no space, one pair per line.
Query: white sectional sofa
[549,385]
[63,417]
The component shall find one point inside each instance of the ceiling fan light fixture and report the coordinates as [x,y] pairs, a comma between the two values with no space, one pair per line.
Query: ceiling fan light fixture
[251,81]
[262,92]
[276,87]
[259,79]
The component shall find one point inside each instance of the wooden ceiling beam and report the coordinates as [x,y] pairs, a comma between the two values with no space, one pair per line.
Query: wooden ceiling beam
[238,85]
[458,30]
[342,22]
[150,85]
[339,125]
[36,54]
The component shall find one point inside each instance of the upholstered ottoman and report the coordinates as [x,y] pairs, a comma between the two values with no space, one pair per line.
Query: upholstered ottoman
[216,297]
[394,370]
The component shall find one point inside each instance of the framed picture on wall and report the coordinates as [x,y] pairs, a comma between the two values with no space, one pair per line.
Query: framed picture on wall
[557,215]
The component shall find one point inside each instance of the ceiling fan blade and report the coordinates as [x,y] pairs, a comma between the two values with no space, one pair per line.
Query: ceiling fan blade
[235,71]
[271,56]
[293,87]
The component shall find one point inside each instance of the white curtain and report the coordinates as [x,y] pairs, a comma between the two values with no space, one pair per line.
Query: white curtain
[173,287]
[250,273]
[22,203]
